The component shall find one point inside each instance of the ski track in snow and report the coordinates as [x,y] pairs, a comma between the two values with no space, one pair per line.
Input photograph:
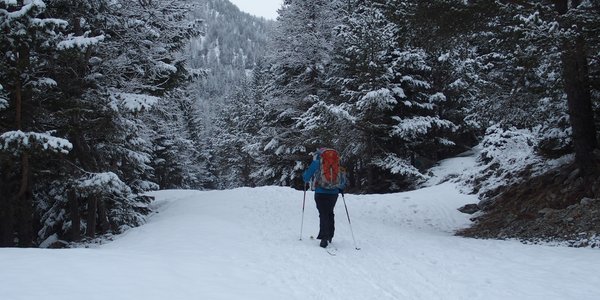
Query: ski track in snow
[244,244]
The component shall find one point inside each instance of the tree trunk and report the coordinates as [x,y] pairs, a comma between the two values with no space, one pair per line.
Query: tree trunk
[25,217]
[102,216]
[6,215]
[75,217]
[577,87]
[351,169]
[24,204]
[18,105]
[369,163]
[91,219]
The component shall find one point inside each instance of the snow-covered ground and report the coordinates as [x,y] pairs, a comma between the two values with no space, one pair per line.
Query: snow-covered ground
[244,244]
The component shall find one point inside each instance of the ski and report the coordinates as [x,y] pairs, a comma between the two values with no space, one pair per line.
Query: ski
[331,250]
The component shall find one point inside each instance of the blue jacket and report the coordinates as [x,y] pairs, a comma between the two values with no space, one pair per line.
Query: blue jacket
[314,167]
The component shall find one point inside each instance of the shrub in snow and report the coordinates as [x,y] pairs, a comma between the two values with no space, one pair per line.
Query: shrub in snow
[513,148]
[506,155]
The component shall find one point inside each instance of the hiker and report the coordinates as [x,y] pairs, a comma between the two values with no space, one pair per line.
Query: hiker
[328,182]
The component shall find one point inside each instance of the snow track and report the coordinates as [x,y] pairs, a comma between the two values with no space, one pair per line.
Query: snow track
[243,244]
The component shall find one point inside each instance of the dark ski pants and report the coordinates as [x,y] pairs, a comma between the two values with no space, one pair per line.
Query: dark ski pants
[325,205]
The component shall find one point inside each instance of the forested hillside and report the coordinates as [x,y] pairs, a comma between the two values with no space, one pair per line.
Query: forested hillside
[396,86]
[234,45]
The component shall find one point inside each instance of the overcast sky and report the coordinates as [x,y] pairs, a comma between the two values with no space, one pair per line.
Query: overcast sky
[261,8]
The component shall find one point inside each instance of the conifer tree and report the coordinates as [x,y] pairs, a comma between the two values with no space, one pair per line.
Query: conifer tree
[28,41]
[301,42]
[385,84]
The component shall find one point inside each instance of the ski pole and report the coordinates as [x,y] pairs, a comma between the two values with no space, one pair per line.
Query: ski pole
[348,215]
[303,202]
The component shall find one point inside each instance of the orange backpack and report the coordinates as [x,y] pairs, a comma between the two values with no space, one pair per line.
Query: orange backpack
[329,175]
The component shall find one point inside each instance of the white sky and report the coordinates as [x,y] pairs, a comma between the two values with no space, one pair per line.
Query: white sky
[261,8]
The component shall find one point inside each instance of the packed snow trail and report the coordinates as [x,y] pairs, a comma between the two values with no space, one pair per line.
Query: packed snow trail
[244,244]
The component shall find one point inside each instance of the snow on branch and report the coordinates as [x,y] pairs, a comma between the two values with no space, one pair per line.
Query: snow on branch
[164,67]
[314,117]
[34,7]
[134,102]
[416,83]
[79,42]
[340,111]
[274,142]
[445,142]
[398,166]
[9,2]
[414,59]
[103,183]
[196,72]
[533,18]
[18,141]
[3,101]
[311,119]
[41,23]
[398,91]
[382,98]
[437,97]
[43,82]
[420,125]
[31,9]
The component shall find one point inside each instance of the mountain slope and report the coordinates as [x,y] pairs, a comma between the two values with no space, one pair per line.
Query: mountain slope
[233,39]
[243,244]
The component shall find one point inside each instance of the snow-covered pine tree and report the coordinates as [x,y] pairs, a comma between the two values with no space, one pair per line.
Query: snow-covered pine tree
[29,40]
[361,73]
[135,67]
[234,139]
[177,156]
[300,54]
[385,83]
[447,31]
